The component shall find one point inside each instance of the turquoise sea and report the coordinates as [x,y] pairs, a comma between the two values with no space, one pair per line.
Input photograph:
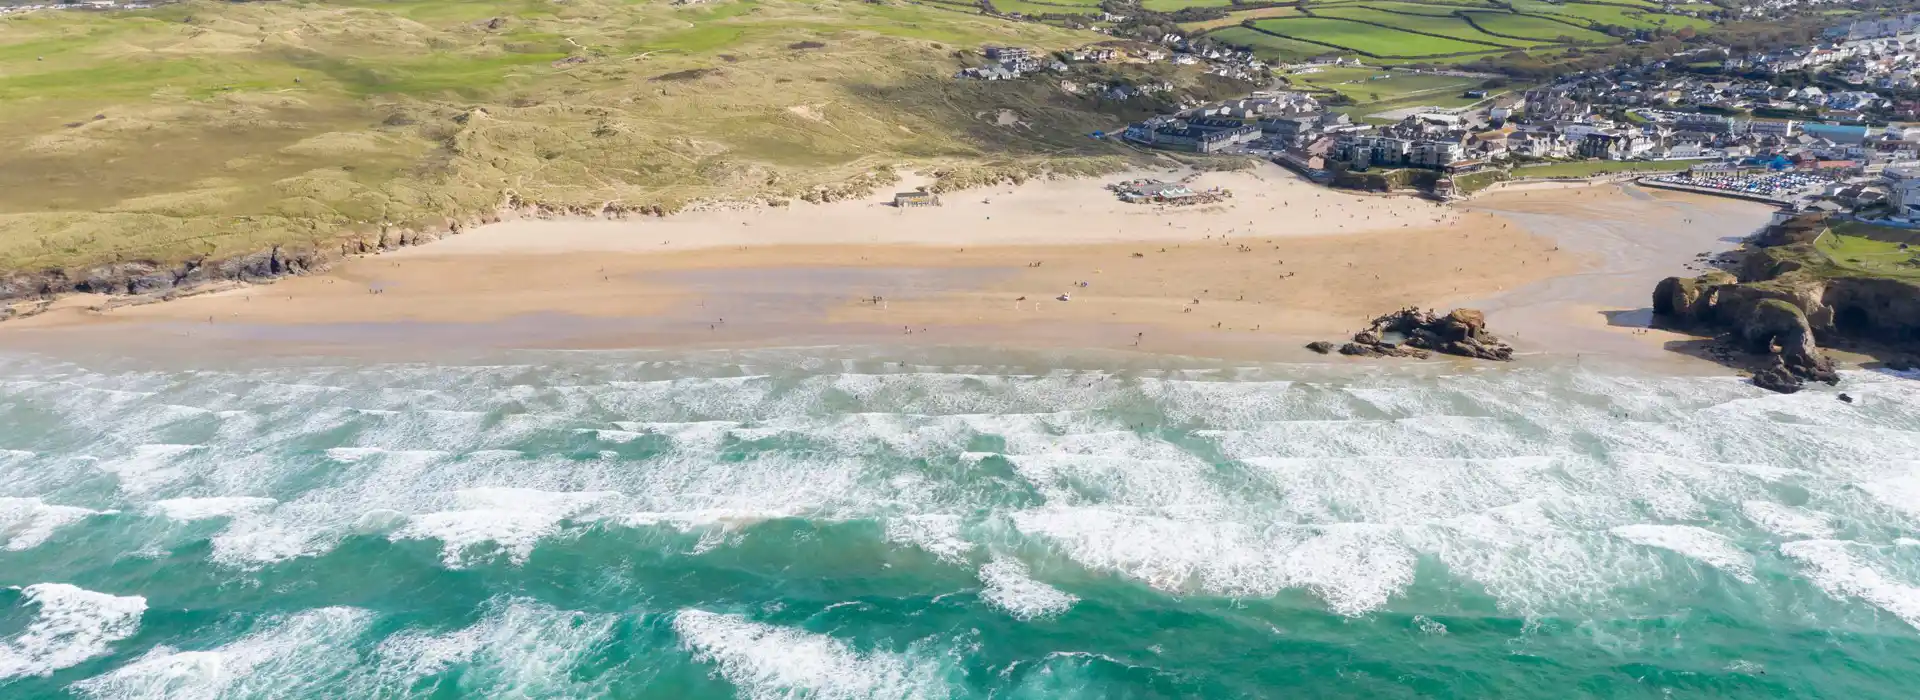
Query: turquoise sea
[843,523]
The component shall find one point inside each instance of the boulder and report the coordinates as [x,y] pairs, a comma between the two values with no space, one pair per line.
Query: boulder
[1778,379]
[1320,346]
[1462,332]
[1462,324]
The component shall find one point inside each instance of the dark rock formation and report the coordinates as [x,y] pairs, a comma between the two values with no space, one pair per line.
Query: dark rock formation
[1779,329]
[1411,332]
[1320,346]
[1780,319]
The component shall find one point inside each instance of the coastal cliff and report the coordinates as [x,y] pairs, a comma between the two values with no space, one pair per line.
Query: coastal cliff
[1785,298]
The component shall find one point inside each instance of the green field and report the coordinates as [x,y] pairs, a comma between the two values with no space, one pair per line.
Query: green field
[1601,167]
[1051,7]
[1432,10]
[1610,15]
[1234,20]
[217,129]
[1539,28]
[1269,46]
[1376,89]
[1366,38]
[1447,26]
[1874,250]
[1176,5]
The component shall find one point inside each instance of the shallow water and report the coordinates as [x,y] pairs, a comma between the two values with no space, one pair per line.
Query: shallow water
[852,523]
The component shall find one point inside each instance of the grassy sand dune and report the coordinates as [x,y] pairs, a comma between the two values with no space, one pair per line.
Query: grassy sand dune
[215,129]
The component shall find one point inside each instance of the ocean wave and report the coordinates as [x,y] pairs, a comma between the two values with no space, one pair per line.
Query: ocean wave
[1694,543]
[1788,521]
[512,519]
[764,662]
[1010,588]
[70,625]
[27,523]
[300,655]
[519,648]
[191,509]
[1836,568]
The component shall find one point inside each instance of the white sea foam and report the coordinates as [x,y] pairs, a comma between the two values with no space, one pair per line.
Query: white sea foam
[71,625]
[521,648]
[302,655]
[938,534]
[151,467]
[1830,565]
[1354,568]
[26,523]
[764,662]
[191,509]
[1704,546]
[1900,492]
[1529,562]
[1010,588]
[1788,521]
[513,519]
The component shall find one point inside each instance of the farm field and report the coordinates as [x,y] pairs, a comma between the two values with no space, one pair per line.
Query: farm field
[1269,46]
[1177,5]
[1234,20]
[1539,28]
[1431,10]
[1375,88]
[1610,14]
[1448,26]
[1366,38]
[1436,31]
[1051,7]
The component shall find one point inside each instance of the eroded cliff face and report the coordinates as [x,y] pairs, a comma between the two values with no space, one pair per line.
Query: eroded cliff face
[1780,307]
[149,280]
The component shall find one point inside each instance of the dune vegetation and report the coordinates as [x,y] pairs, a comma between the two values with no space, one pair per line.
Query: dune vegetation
[205,130]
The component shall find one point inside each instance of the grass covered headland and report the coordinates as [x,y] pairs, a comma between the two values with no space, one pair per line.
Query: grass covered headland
[205,131]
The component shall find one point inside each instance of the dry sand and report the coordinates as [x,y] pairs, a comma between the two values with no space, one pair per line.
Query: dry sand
[1282,261]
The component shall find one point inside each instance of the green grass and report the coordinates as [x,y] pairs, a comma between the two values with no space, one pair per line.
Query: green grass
[1033,8]
[1601,167]
[1371,87]
[219,129]
[1435,10]
[1177,5]
[1367,38]
[1611,15]
[1269,46]
[1873,250]
[1543,29]
[1449,26]
[1236,18]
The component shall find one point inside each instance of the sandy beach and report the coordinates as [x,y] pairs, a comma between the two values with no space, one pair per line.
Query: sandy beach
[1048,263]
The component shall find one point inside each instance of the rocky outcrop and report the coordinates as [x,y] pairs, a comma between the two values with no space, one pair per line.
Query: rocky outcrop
[1411,332]
[1781,320]
[145,281]
[1779,330]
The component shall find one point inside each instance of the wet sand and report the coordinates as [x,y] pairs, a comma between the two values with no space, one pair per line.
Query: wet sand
[1281,263]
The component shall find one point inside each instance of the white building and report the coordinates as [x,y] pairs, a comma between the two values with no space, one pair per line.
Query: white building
[1903,188]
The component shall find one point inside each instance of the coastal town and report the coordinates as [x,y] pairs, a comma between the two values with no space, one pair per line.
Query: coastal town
[1807,127]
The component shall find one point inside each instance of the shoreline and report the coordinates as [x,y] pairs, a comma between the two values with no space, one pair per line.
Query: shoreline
[1282,263]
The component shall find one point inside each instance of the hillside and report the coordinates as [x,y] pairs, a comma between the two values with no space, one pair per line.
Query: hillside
[208,131]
